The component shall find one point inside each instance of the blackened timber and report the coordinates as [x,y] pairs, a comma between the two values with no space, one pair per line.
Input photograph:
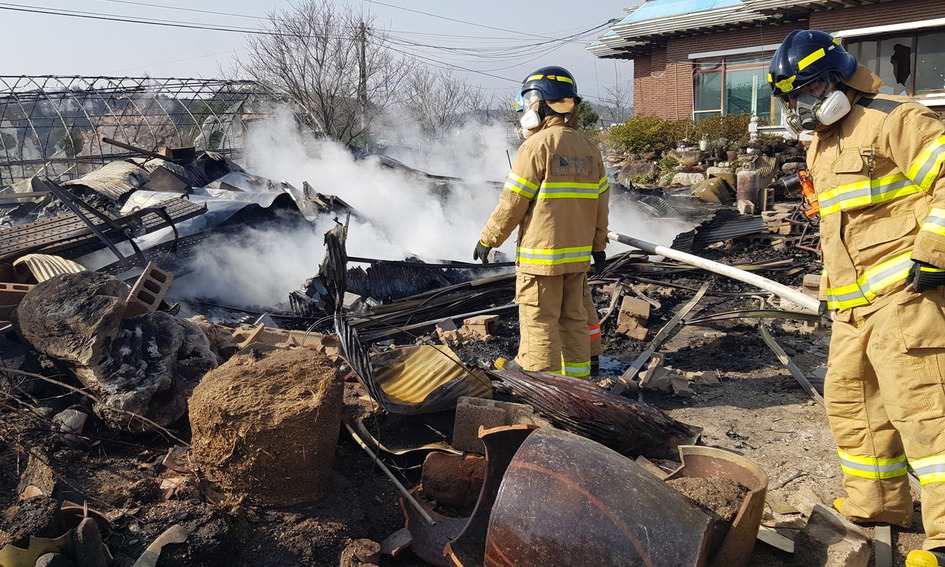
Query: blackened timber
[629,427]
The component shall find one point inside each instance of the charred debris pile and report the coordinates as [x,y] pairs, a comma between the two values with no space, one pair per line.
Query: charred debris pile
[361,420]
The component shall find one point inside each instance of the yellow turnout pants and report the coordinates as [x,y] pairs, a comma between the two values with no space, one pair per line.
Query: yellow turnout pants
[885,393]
[553,324]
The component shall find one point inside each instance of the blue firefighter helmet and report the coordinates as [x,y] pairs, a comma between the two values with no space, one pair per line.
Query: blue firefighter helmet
[551,83]
[806,56]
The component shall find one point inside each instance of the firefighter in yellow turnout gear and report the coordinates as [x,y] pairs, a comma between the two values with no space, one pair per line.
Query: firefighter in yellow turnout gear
[877,166]
[557,196]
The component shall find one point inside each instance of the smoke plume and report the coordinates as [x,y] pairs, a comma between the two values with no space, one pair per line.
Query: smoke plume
[399,213]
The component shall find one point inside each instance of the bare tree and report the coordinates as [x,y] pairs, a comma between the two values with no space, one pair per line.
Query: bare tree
[313,59]
[438,99]
[618,100]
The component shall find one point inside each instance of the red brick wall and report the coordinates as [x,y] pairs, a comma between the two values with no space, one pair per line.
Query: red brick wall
[661,88]
[897,12]
[662,80]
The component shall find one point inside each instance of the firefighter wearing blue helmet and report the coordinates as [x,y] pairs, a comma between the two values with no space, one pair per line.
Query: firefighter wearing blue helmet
[876,161]
[557,196]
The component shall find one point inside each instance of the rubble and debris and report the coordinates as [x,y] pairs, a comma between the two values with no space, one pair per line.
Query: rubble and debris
[524,527]
[475,413]
[453,481]
[831,540]
[37,479]
[361,553]
[69,236]
[632,318]
[716,495]
[151,555]
[626,379]
[267,428]
[795,371]
[629,427]
[88,363]
[148,291]
[883,546]
[426,378]
[146,365]
[42,267]
[706,462]
[10,296]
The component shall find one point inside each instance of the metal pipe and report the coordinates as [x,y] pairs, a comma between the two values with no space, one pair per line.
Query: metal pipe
[400,487]
[781,290]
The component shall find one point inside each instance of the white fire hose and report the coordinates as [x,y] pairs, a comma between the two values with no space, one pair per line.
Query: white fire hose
[781,290]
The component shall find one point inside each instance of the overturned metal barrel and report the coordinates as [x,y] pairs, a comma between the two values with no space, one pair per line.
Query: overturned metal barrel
[565,500]
[553,498]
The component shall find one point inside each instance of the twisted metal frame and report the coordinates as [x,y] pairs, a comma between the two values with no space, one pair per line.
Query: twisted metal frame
[55,124]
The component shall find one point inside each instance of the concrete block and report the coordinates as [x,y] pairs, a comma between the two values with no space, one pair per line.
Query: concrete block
[149,291]
[471,413]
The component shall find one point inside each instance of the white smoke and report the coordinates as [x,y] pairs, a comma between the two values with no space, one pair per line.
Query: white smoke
[257,265]
[400,214]
[403,216]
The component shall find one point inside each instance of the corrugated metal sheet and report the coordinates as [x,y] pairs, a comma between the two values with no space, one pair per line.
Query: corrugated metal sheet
[45,266]
[427,378]
[114,180]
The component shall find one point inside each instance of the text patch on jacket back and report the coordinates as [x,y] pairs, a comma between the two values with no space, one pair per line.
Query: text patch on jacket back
[571,166]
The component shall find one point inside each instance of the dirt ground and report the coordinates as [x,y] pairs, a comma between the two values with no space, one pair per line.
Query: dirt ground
[716,495]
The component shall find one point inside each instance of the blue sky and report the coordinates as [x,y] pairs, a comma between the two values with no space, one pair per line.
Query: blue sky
[44,44]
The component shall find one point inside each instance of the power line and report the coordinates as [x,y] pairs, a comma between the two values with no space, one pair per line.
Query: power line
[432,15]
[451,65]
[146,21]
[182,9]
[501,52]
[445,64]
[118,18]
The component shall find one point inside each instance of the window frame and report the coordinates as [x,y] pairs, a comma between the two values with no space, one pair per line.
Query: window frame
[913,34]
[724,62]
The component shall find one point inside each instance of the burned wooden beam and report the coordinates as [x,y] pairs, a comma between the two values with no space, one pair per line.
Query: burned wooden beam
[629,427]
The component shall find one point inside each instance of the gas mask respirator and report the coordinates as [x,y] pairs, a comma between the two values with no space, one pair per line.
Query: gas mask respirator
[812,111]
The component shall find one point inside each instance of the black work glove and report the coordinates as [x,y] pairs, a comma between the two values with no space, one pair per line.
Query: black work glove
[923,277]
[822,309]
[599,259]
[481,252]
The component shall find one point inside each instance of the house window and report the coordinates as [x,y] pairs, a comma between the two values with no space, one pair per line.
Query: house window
[707,93]
[908,63]
[725,87]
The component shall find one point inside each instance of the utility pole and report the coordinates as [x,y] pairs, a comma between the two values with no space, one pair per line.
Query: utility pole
[362,74]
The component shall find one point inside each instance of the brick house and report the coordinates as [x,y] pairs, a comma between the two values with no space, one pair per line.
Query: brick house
[698,58]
